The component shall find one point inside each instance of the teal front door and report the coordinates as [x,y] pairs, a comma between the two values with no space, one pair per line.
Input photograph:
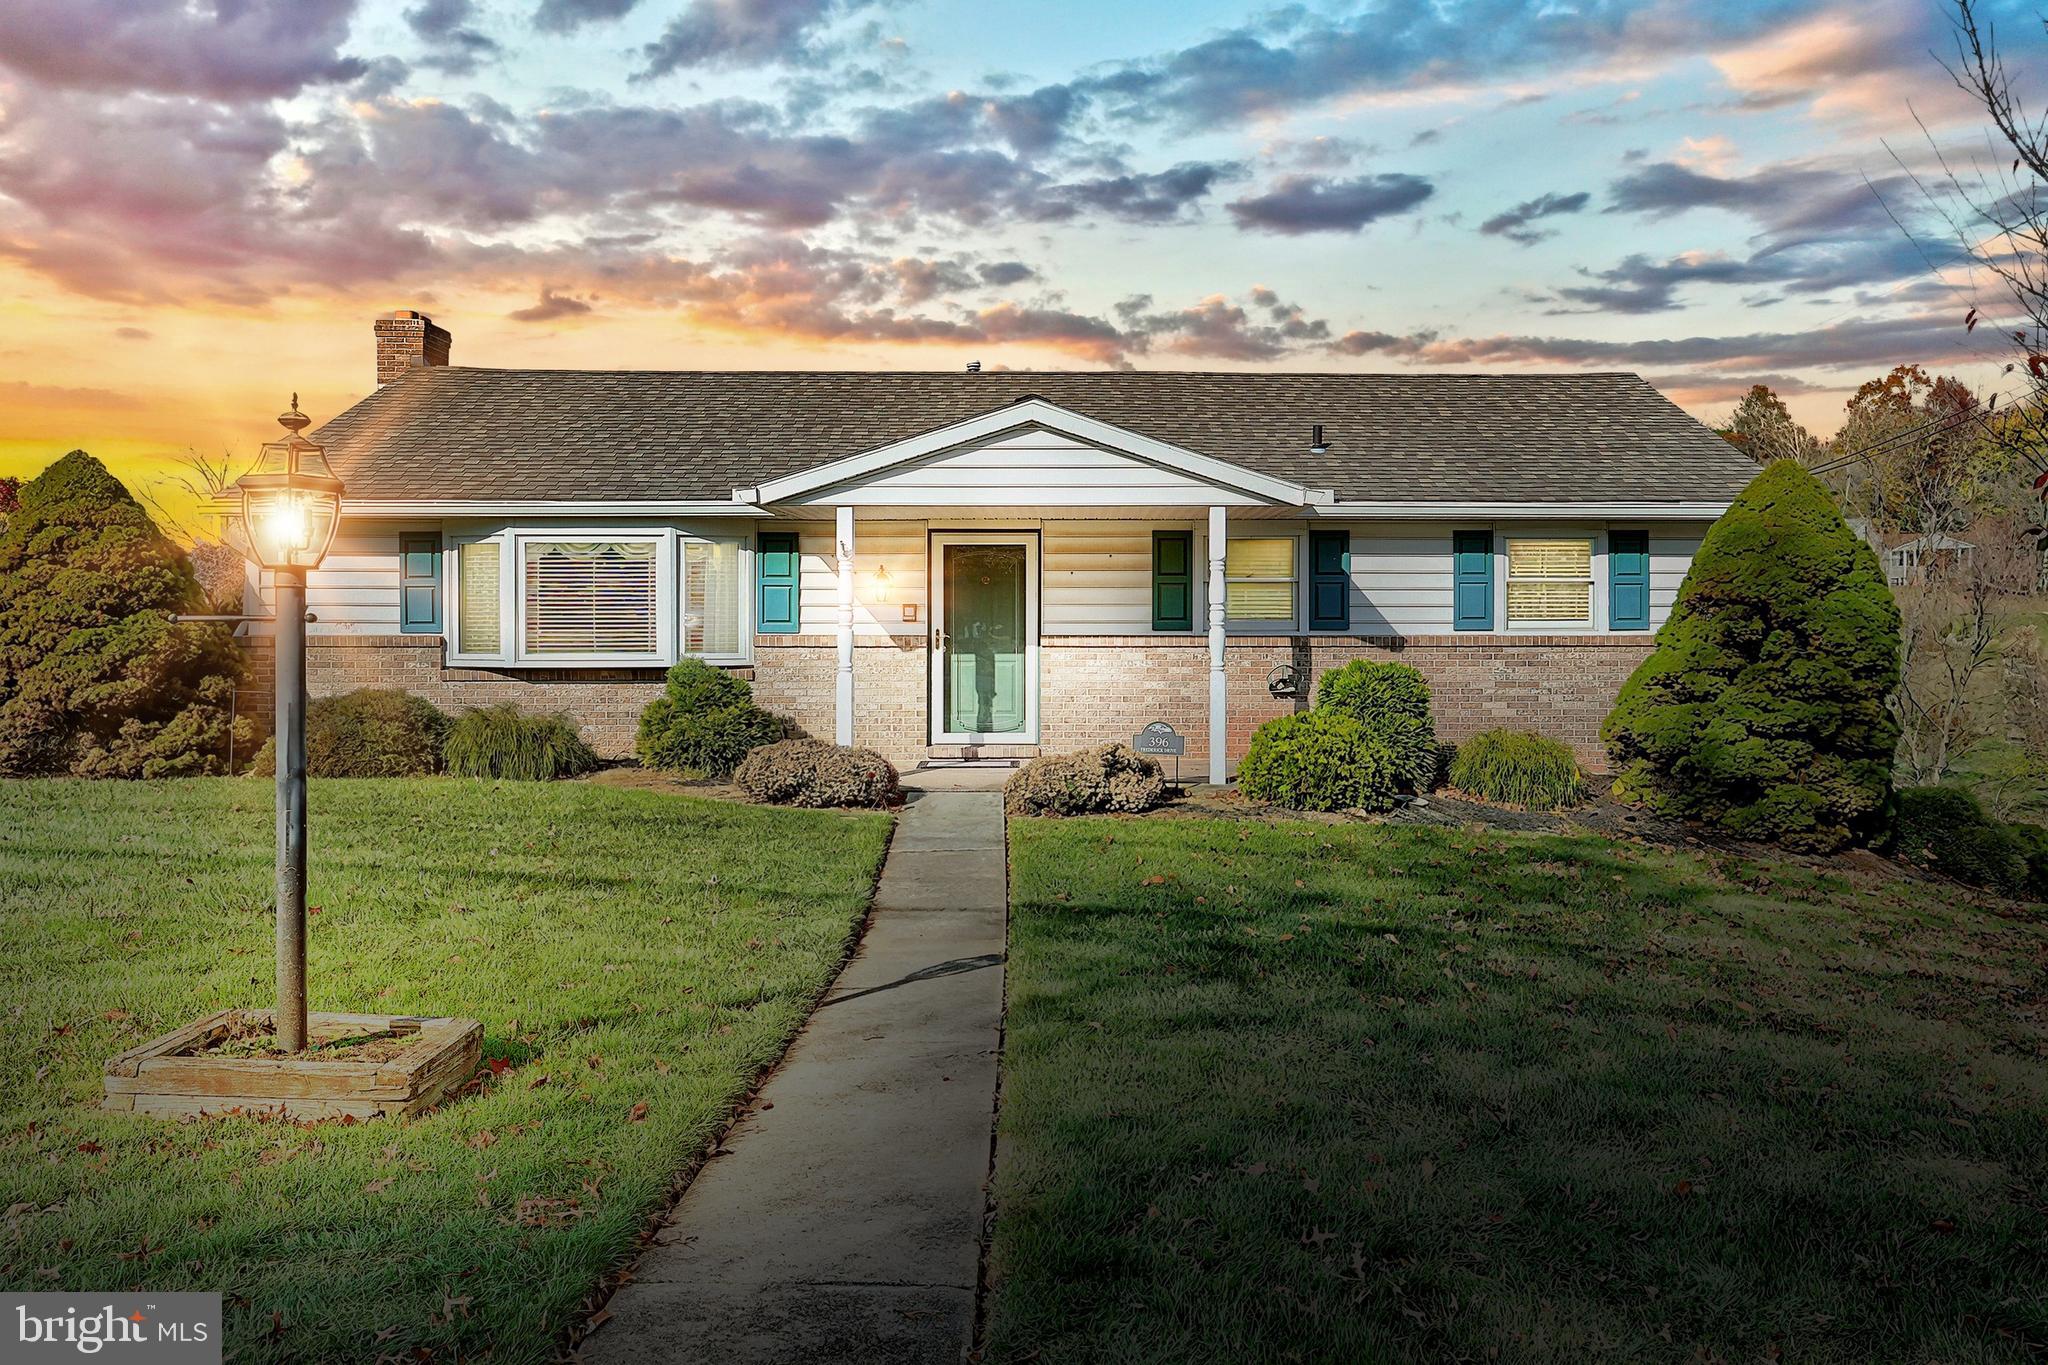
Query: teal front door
[986,641]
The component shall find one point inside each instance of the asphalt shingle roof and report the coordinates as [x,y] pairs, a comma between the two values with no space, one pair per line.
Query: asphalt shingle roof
[635,435]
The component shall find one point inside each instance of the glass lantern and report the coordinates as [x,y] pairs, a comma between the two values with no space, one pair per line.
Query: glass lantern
[291,500]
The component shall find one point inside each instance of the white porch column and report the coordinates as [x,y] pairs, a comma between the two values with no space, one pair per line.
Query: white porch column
[843,713]
[1219,688]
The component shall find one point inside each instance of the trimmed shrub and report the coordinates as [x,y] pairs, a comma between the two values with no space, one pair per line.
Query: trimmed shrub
[810,772]
[371,732]
[1366,691]
[95,678]
[1107,778]
[503,741]
[1518,769]
[705,721]
[1392,702]
[1762,708]
[2033,842]
[1319,760]
[1944,828]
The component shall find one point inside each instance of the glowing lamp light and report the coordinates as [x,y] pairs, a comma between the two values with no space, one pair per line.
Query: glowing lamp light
[291,500]
[881,582]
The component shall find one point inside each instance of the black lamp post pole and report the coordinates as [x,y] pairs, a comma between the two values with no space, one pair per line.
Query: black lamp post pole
[291,809]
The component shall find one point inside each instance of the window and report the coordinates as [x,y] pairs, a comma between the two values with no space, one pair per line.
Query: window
[711,597]
[1550,583]
[478,599]
[1258,579]
[639,597]
[590,597]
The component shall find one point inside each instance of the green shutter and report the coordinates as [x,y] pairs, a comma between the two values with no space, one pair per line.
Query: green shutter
[419,583]
[778,573]
[1173,580]
[1628,580]
[1472,580]
[1329,583]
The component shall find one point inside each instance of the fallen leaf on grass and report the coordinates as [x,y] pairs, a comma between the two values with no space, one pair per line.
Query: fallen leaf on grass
[380,1185]
[638,1113]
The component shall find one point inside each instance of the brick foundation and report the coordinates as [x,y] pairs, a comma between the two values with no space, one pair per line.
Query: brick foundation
[1093,689]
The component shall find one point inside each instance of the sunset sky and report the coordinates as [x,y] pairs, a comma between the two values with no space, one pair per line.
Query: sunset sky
[204,203]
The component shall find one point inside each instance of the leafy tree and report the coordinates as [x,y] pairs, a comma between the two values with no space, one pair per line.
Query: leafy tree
[95,678]
[1762,428]
[1762,708]
[10,497]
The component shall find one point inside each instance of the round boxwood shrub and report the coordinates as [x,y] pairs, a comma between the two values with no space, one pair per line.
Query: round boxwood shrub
[95,678]
[1392,702]
[1762,708]
[2033,842]
[704,721]
[1944,828]
[1109,778]
[371,732]
[503,741]
[1319,760]
[1518,769]
[810,772]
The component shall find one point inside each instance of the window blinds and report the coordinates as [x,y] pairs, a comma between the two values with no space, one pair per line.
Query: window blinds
[479,579]
[1550,580]
[594,597]
[711,597]
[1259,579]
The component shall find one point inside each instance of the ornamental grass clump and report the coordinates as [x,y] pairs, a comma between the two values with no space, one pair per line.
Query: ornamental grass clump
[810,772]
[1392,702]
[503,741]
[1517,769]
[1107,779]
[1320,760]
[705,721]
[1761,711]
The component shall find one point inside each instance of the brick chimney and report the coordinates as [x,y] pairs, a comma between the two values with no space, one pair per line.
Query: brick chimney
[407,338]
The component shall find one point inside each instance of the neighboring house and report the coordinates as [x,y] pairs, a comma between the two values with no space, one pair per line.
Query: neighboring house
[1907,558]
[1003,563]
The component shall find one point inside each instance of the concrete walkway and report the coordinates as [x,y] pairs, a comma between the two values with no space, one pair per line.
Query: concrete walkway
[844,1223]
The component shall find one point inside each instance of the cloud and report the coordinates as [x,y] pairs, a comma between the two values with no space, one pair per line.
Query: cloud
[1305,203]
[453,45]
[552,307]
[566,16]
[215,49]
[133,333]
[1217,328]
[1297,58]
[1000,273]
[1514,223]
[728,33]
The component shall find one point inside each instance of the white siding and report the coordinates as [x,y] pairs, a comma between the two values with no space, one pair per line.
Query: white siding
[1098,576]
[1031,468]
[1671,550]
[898,546]
[1400,577]
[355,589]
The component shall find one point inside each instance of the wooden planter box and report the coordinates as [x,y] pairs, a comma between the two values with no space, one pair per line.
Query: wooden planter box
[152,1079]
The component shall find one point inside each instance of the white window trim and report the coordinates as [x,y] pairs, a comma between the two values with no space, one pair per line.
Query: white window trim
[1595,620]
[669,561]
[1290,625]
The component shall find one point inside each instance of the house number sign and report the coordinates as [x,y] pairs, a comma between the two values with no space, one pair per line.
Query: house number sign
[1160,738]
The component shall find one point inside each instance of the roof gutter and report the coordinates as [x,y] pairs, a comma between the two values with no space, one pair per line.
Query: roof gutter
[453,507]
[1634,511]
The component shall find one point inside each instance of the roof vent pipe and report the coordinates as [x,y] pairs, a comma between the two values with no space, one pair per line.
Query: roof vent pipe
[974,367]
[1316,444]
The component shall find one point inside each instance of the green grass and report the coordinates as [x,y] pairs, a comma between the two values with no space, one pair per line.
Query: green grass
[622,948]
[1316,1092]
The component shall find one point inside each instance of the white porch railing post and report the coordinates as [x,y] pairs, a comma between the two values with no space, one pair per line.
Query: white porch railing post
[1219,688]
[843,712]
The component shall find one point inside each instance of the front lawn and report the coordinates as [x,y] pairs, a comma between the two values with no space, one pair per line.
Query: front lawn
[1313,1092]
[635,958]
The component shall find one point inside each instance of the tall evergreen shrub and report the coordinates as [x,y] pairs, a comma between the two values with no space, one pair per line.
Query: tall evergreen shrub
[1762,708]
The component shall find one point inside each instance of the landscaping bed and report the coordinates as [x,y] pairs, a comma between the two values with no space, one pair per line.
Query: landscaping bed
[1283,1090]
[636,959]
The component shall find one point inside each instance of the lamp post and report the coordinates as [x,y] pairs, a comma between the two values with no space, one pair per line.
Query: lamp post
[290,504]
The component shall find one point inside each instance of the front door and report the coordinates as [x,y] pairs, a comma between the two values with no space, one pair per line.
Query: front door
[985,638]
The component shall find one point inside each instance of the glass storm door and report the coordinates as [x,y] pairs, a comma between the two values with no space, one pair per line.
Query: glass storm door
[985,641]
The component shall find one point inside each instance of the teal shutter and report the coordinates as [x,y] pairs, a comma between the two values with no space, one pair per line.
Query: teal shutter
[1173,580]
[1472,580]
[778,571]
[1329,582]
[1628,580]
[419,583]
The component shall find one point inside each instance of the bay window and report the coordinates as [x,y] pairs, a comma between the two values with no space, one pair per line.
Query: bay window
[615,598]
[1550,583]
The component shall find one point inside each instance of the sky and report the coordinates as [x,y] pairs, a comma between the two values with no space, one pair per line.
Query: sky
[205,203]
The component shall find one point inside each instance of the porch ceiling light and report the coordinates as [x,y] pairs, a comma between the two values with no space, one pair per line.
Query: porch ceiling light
[291,500]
